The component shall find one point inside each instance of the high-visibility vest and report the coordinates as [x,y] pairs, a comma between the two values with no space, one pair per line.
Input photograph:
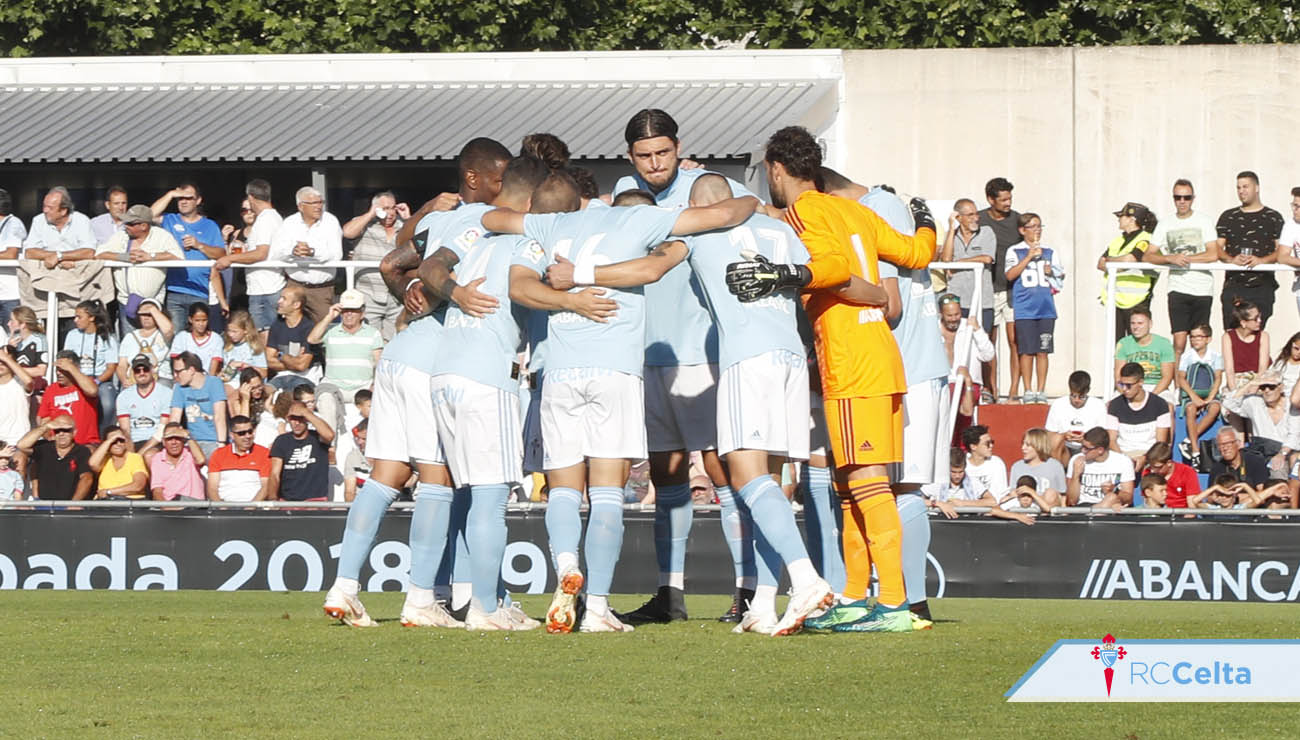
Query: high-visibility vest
[1131,286]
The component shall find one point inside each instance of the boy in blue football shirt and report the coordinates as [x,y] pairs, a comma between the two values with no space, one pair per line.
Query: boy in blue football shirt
[1034,273]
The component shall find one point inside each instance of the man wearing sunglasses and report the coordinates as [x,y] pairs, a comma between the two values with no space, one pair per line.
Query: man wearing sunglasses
[1135,418]
[1188,238]
[241,470]
[60,467]
[144,407]
[1274,422]
[72,393]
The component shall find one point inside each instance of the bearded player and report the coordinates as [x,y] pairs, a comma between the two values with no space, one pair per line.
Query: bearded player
[861,369]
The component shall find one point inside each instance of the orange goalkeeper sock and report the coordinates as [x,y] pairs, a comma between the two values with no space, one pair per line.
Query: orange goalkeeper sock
[884,532]
[857,558]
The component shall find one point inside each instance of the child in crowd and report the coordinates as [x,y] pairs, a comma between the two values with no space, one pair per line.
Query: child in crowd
[1199,377]
[243,349]
[11,481]
[1035,273]
[1026,496]
[1068,418]
[362,401]
[1154,490]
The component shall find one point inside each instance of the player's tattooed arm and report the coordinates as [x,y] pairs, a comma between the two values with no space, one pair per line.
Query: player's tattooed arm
[396,267]
[627,274]
[527,289]
[436,273]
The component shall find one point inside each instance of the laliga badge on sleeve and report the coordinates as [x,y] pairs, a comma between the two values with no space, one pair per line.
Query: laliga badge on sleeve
[1163,670]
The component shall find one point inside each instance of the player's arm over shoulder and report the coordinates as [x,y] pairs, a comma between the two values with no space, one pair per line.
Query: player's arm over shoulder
[723,214]
[827,256]
[914,251]
[642,270]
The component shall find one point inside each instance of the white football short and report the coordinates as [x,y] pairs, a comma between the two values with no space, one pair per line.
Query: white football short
[480,429]
[402,424]
[681,407]
[817,439]
[591,412]
[925,413]
[763,405]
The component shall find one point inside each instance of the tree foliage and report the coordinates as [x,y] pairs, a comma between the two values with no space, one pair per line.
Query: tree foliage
[116,27]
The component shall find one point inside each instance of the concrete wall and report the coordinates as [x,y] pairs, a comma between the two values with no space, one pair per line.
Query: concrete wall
[1080,132]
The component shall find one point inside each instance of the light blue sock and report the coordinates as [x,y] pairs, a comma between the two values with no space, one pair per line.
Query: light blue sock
[916,543]
[673,514]
[767,562]
[738,531]
[774,518]
[820,526]
[367,511]
[485,533]
[604,537]
[428,536]
[563,522]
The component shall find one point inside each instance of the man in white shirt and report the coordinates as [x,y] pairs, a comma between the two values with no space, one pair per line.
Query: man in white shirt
[60,234]
[1188,238]
[108,223]
[986,471]
[1068,418]
[138,242]
[12,234]
[309,237]
[15,406]
[263,283]
[1288,243]
[1099,477]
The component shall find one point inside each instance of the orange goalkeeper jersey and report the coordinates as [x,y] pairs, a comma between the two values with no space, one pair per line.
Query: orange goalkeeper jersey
[856,351]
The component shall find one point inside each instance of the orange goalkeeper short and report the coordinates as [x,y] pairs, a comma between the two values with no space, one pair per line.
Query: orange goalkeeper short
[865,431]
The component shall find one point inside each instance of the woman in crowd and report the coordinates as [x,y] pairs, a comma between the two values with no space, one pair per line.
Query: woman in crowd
[1288,364]
[200,340]
[122,473]
[1245,348]
[1036,461]
[1132,287]
[97,352]
[27,338]
[243,350]
[152,339]
[253,399]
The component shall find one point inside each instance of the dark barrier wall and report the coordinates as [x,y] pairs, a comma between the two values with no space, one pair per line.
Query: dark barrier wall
[227,550]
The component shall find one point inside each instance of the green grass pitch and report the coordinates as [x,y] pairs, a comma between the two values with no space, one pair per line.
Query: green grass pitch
[256,664]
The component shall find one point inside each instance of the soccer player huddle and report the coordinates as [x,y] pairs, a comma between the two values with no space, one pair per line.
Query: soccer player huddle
[665,322]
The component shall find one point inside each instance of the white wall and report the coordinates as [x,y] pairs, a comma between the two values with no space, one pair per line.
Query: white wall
[1080,132]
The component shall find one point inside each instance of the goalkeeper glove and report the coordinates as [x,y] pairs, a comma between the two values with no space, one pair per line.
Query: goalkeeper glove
[921,216]
[757,277]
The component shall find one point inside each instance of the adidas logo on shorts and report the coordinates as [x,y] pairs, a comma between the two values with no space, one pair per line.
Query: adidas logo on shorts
[755,435]
[865,446]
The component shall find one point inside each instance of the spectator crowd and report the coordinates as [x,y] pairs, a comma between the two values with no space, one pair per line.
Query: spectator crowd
[199,382]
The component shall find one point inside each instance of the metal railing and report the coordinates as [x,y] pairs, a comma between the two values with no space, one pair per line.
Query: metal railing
[349,267]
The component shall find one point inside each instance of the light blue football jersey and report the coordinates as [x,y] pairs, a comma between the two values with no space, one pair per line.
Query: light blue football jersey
[749,329]
[532,256]
[679,330]
[598,237]
[483,350]
[917,330]
[145,412]
[417,345]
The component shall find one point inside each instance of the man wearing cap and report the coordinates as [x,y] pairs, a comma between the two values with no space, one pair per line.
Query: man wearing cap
[60,467]
[201,239]
[174,472]
[144,407]
[1248,237]
[352,350]
[138,242]
[1132,287]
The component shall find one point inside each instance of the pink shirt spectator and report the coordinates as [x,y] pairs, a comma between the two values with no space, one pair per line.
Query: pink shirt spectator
[181,480]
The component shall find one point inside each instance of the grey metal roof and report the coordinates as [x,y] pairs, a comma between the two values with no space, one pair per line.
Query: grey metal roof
[296,122]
